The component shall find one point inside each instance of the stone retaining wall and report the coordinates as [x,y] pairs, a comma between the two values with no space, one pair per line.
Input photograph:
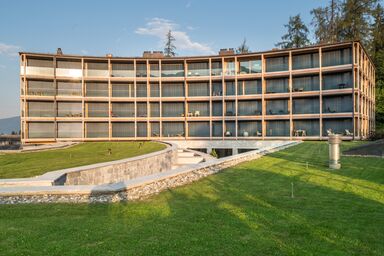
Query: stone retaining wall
[138,188]
[121,170]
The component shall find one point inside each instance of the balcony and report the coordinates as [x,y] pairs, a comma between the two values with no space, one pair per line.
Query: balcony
[69,109]
[249,108]
[95,89]
[69,130]
[303,128]
[141,129]
[154,90]
[306,106]
[217,108]
[97,130]
[97,110]
[121,130]
[154,70]
[230,129]
[155,129]
[122,90]
[141,109]
[337,57]
[69,68]
[198,69]
[173,129]
[275,64]
[250,67]
[41,109]
[41,130]
[249,87]
[123,110]
[337,81]
[155,109]
[249,129]
[198,89]
[38,67]
[278,128]
[217,129]
[277,107]
[198,129]
[338,104]
[343,126]
[69,88]
[173,110]
[230,88]
[305,83]
[197,109]
[96,69]
[141,90]
[122,69]
[217,89]
[230,68]
[141,70]
[230,108]
[172,70]
[305,61]
[41,88]
[216,68]
[277,85]
[173,90]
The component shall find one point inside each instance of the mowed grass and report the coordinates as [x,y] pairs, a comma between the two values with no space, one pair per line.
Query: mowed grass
[18,165]
[244,210]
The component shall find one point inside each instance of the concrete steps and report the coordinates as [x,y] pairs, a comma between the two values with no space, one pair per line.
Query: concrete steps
[187,157]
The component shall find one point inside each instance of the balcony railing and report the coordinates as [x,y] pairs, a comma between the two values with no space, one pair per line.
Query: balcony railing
[198,72]
[123,73]
[37,71]
[66,72]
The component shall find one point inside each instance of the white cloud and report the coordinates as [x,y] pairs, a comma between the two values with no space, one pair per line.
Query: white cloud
[8,49]
[159,27]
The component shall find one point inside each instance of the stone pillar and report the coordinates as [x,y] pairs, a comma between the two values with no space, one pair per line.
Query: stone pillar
[334,141]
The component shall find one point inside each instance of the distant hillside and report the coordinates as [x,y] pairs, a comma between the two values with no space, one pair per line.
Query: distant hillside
[7,125]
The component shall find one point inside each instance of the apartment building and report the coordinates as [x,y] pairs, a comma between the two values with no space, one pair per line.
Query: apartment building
[302,93]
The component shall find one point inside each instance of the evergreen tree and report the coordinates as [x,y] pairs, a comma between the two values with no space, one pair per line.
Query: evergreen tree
[355,20]
[326,22]
[297,34]
[243,48]
[169,49]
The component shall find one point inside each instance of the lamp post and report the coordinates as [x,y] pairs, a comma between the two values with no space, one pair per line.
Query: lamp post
[334,141]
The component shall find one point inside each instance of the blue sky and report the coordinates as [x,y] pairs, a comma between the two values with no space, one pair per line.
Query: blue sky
[127,28]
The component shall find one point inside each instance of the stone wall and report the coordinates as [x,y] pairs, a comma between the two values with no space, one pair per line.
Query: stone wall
[121,170]
[135,189]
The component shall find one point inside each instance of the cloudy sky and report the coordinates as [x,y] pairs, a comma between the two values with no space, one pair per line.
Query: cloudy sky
[127,28]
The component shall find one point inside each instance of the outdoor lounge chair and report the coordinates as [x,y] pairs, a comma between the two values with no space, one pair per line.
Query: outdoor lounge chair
[348,133]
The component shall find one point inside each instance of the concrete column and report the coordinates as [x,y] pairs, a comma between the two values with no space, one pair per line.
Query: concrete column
[334,151]
[209,150]
[235,151]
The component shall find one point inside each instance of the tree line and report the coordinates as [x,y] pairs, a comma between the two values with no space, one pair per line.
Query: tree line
[340,21]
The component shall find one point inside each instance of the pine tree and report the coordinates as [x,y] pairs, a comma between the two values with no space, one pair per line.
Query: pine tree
[243,48]
[297,35]
[355,20]
[169,49]
[326,22]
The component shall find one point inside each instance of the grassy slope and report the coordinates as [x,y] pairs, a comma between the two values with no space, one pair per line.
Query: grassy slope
[245,210]
[19,165]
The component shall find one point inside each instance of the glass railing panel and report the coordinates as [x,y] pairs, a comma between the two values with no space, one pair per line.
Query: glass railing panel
[172,73]
[41,130]
[69,109]
[307,83]
[173,129]
[217,72]
[69,72]
[123,73]
[96,73]
[198,72]
[39,71]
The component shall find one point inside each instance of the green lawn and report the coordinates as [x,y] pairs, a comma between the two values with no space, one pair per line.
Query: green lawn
[245,210]
[18,165]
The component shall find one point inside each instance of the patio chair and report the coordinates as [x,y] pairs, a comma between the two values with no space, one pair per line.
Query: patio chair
[197,113]
[348,133]
[329,132]
[258,133]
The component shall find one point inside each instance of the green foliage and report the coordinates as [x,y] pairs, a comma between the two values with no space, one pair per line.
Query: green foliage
[18,165]
[297,34]
[244,210]
[214,153]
